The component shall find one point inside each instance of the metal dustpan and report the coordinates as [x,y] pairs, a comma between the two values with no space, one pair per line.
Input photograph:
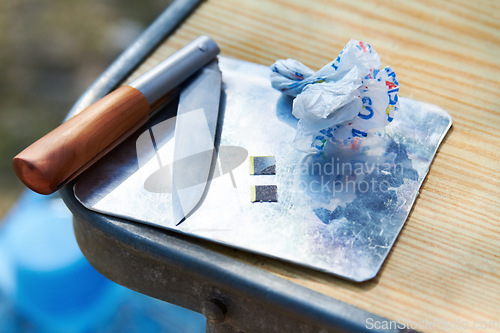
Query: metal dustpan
[265,196]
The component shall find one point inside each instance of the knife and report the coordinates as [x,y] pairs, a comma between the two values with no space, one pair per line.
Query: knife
[64,153]
[194,136]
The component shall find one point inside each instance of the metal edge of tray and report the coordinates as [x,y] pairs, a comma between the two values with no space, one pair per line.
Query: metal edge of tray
[175,268]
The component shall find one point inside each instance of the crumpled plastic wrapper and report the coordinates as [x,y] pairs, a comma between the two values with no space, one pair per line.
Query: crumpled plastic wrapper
[347,98]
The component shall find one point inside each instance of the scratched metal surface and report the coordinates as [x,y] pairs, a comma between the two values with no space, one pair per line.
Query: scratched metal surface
[339,212]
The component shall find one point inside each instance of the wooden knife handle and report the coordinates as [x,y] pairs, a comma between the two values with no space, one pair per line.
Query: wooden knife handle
[69,149]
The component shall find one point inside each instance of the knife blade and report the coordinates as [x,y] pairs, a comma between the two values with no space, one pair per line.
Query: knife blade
[68,150]
[194,135]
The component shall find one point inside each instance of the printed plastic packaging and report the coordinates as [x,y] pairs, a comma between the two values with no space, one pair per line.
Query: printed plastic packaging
[349,97]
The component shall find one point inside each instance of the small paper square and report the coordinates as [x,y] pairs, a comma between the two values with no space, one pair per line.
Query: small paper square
[264,193]
[262,165]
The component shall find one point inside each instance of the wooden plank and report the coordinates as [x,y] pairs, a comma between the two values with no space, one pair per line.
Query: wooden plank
[445,264]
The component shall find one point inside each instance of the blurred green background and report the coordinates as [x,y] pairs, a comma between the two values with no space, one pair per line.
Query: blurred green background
[50,52]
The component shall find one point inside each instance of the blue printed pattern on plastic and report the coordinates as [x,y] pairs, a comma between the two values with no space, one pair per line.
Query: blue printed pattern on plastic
[347,98]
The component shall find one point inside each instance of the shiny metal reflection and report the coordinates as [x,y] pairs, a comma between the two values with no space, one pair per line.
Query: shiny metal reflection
[342,232]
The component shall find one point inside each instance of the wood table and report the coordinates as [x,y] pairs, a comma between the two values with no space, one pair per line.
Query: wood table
[445,266]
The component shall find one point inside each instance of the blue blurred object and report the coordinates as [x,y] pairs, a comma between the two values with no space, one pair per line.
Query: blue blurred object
[46,284]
